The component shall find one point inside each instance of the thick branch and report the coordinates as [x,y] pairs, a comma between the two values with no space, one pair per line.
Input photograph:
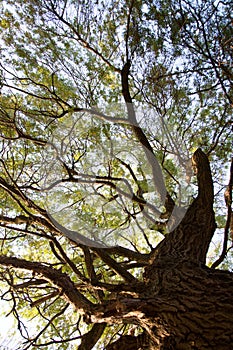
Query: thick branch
[90,339]
[115,265]
[191,238]
[132,255]
[45,298]
[141,137]
[56,277]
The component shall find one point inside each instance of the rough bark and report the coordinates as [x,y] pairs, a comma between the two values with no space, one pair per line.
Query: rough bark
[185,306]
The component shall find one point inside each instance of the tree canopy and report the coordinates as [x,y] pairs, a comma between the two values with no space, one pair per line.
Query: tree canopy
[116,174]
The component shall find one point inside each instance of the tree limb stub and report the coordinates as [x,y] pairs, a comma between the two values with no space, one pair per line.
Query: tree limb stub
[191,238]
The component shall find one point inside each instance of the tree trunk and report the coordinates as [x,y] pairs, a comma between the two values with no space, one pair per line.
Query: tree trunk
[198,307]
[184,306]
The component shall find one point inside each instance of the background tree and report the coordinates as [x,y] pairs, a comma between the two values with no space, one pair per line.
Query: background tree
[105,228]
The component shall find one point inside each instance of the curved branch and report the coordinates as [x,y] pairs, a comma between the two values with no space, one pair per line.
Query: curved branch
[141,137]
[115,266]
[94,179]
[67,260]
[56,277]
[132,255]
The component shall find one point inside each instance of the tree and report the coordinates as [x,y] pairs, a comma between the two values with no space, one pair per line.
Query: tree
[105,227]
